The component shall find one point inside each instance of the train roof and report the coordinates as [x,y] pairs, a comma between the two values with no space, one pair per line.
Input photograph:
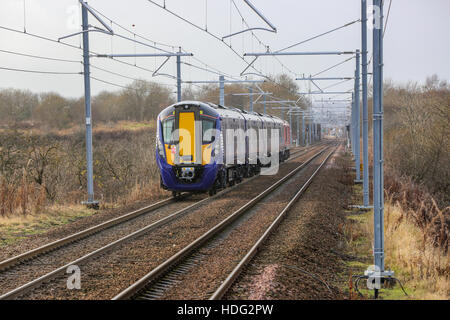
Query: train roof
[207,109]
[223,111]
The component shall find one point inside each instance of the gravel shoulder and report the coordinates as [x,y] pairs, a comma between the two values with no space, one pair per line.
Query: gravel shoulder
[306,256]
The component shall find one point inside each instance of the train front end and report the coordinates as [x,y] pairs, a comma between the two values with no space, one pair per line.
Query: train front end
[186,135]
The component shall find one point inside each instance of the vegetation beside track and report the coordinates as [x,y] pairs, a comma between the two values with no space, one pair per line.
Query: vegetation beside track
[19,227]
[414,248]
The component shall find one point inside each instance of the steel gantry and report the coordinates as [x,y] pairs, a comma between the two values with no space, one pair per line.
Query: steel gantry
[378,182]
[321,79]
[222,82]
[357,128]
[167,55]
[364,66]
[251,94]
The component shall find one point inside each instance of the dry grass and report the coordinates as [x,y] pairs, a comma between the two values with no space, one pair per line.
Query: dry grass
[16,227]
[424,266]
[19,198]
[416,239]
[37,171]
[99,128]
[419,207]
[142,191]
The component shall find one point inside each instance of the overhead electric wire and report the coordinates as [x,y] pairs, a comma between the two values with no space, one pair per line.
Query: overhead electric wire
[153,41]
[387,17]
[332,67]
[39,37]
[40,71]
[320,35]
[39,57]
[201,68]
[213,68]
[91,52]
[110,83]
[259,40]
[127,77]
[335,84]
[72,46]
[132,32]
[200,28]
[219,39]
[384,32]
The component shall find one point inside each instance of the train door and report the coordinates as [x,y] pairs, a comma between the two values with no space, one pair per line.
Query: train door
[189,146]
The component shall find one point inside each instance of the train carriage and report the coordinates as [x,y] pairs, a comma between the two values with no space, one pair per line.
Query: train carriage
[203,147]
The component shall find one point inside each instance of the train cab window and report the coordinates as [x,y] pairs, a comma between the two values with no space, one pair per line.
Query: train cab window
[168,128]
[207,131]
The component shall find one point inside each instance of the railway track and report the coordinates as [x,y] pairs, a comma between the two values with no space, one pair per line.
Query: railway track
[171,272]
[53,248]
[28,255]
[228,282]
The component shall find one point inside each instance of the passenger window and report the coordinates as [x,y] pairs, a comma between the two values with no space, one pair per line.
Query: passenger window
[168,128]
[207,131]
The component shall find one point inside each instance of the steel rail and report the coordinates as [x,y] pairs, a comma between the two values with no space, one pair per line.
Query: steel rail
[5,264]
[61,270]
[222,290]
[175,259]
[82,234]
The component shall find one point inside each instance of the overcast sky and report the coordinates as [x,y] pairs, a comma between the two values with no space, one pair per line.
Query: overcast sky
[416,40]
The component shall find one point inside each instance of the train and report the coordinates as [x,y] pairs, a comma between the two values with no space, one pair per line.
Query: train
[204,147]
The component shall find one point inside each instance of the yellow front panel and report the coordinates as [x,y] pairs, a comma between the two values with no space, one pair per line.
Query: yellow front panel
[170,154]
[206,152]
[187,135]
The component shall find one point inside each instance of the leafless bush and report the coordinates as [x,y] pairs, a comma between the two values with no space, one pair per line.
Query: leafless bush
[417,134]
[420,207]
[44,169]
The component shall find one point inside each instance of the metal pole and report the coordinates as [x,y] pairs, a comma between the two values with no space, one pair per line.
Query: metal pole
[313,132]
[179,77]
[378,184]
[290,126]
[357,122]
[298,130]
[264,104]
[87,103]
[365,105]
[309,131]
[303,130]
[352,125]
[251,99]
[222,90]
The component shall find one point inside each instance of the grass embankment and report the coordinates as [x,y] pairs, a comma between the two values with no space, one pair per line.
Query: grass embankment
[43,174]
[418,263]
[18,227]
